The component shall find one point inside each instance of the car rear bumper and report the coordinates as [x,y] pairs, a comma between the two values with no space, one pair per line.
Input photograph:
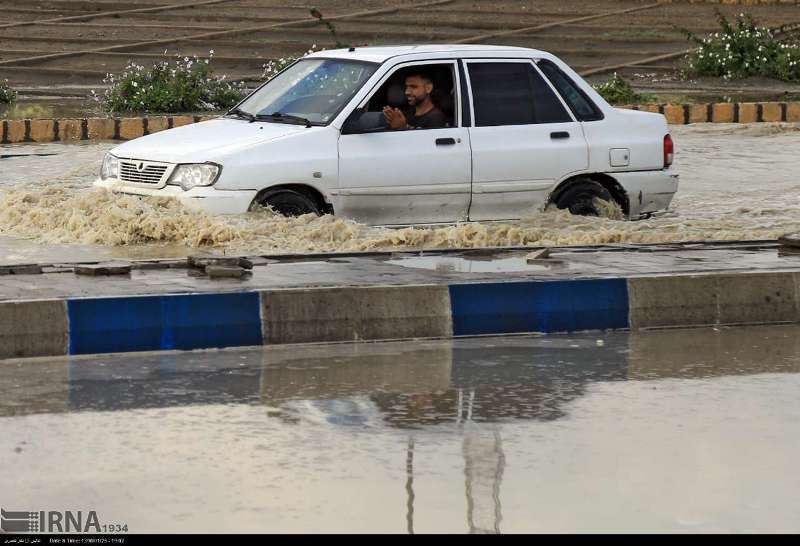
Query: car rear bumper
[648,191]
[205,198]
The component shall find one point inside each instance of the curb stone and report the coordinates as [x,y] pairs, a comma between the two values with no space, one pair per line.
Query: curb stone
[81,129]
[74,326]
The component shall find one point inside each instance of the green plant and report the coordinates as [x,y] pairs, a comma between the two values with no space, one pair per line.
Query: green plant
[618,91]
[186,86]
[743,50]
[317,14]
[28,111]
[7,95]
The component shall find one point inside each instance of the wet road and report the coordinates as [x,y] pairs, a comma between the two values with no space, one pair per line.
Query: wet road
[694,430]
[737,182]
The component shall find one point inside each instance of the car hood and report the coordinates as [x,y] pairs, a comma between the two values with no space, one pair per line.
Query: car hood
[206,141]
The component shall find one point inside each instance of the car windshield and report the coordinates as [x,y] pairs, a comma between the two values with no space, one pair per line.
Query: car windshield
[312,89]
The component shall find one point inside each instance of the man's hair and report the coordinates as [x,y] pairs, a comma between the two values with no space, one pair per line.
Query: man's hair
[425,77]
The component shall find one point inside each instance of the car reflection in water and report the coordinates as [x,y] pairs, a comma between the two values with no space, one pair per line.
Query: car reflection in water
[467,386]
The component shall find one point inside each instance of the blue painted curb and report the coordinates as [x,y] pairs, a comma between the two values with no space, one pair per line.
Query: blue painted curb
[201,321]
[559,306]
[150,323]
[53,327]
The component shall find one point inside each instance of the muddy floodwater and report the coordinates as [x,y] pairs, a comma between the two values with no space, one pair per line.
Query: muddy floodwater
[737,182]
[680,430]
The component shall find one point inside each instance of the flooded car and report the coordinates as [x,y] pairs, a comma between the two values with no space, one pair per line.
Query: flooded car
[411,135]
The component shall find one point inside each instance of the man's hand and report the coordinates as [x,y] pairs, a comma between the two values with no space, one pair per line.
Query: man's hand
[395,118]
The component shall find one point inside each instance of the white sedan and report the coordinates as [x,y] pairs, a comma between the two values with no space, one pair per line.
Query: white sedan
[409,135]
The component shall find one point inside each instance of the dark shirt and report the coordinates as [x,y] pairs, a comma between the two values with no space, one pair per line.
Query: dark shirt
[432,119]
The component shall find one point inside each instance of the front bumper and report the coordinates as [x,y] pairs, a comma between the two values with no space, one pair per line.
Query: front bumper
[648,191]
[204,198]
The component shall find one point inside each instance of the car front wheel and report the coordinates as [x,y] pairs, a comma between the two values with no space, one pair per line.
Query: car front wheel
[581,198]
[289,202]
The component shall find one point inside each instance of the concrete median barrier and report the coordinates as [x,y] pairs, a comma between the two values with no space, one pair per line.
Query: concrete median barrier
[72,326]
[559,306]
[172,322]
[705,300]
[356,313]
[33,328]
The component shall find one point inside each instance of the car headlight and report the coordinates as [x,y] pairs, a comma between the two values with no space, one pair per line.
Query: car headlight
[110,168]
[199,174]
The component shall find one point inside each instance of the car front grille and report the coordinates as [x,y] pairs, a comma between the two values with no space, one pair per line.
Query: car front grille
[142,172]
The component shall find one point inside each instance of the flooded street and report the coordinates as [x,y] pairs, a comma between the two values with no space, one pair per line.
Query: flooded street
[680,430]
[737,182]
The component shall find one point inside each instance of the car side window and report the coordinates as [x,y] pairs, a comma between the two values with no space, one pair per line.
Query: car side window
[512,94]
[404,89]
[583,108]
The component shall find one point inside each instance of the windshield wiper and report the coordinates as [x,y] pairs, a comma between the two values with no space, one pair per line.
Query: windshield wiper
[278,116]
[242,114]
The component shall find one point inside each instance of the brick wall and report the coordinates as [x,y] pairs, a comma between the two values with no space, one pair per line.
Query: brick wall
[14,131]
[67,130]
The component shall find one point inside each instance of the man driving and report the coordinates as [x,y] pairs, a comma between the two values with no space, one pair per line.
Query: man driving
[421,112]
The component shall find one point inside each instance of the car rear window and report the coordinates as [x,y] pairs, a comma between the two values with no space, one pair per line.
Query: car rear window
[583,108]
[512,94]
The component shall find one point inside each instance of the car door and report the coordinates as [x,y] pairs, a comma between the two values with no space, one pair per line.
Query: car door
[524,139]
[406,176]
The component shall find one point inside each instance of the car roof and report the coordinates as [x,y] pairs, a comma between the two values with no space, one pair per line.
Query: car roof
[380,54]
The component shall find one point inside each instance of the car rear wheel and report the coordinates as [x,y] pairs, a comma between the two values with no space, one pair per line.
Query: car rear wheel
[289,202]
[580,198]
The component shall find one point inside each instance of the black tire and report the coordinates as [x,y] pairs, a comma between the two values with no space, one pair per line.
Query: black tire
[579,197]
[289,202]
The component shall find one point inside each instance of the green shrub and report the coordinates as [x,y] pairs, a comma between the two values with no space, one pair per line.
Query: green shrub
[7,95]
[742,51]
[186,86]
[618,91]
[28,111]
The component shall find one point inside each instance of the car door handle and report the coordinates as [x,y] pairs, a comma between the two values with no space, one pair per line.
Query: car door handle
[445,141]
[559,134]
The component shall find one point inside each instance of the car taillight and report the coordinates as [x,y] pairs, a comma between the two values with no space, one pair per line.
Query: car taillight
[669,151]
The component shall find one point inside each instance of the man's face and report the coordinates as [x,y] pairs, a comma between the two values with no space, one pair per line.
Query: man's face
[417,90]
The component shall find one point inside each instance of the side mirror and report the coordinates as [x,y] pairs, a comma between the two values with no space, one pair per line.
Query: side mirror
[361,121]
[351,124]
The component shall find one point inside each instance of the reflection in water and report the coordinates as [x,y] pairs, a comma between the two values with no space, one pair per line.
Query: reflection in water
[704,353]
[410,486]
[484,462]
[470,388]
